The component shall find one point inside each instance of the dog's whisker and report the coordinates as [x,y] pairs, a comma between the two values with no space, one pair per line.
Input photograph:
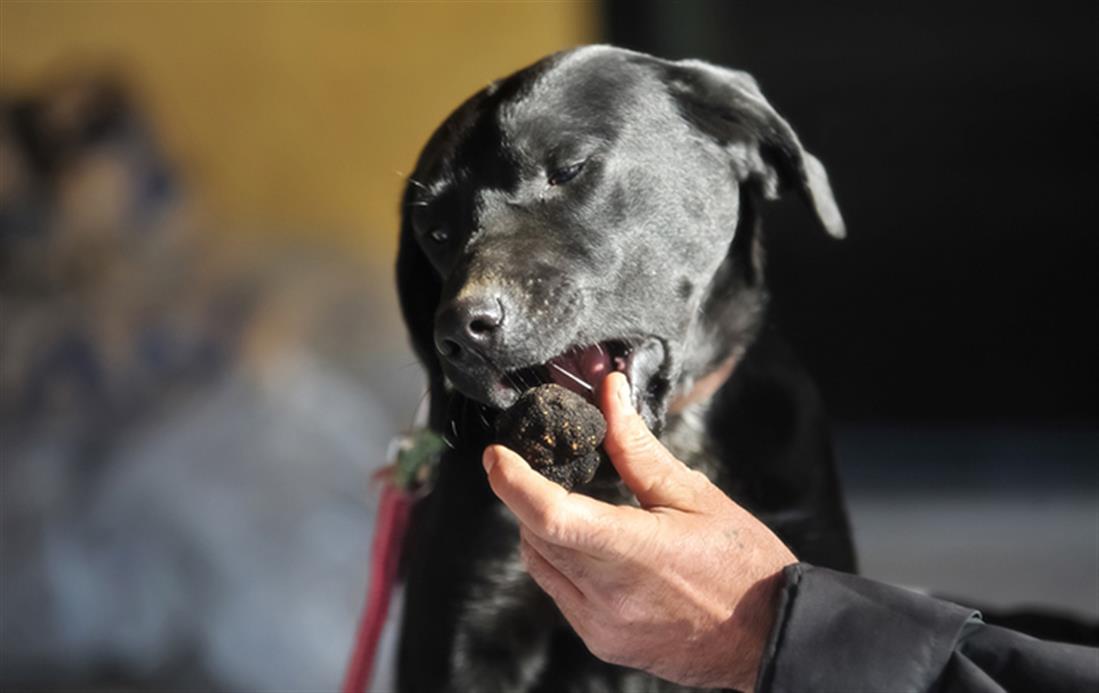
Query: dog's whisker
[449,444]
[573,377]
[513,381]
[532,374]
[410,179]
[419,404]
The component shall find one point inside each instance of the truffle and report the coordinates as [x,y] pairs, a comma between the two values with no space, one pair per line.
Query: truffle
[557,431]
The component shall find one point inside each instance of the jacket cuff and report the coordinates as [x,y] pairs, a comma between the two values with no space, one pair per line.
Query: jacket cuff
[836,631]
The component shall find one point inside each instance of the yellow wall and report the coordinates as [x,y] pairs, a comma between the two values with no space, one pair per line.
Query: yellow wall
[292,114]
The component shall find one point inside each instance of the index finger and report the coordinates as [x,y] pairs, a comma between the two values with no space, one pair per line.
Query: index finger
[549,511]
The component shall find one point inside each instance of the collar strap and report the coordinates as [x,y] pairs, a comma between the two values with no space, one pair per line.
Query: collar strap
[705,387]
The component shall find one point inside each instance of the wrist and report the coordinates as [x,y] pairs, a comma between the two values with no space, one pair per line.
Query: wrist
[752,623]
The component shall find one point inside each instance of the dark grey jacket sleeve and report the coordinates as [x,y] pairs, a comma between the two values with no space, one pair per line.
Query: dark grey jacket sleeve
[840,632]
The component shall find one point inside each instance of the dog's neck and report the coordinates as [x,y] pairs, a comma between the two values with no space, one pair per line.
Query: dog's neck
[731,312]
[686,431]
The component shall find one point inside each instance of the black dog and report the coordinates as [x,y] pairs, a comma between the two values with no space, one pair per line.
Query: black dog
[598,210]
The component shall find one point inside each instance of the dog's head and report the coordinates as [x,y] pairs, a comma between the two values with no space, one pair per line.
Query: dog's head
[595,211]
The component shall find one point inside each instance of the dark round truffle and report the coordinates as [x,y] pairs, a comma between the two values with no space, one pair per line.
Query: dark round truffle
[557,431]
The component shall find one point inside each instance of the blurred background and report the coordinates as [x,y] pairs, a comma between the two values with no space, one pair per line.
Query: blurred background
[201,359]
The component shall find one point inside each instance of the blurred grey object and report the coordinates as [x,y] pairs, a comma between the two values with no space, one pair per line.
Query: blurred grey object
[221,544]
[189,421]
[995,517]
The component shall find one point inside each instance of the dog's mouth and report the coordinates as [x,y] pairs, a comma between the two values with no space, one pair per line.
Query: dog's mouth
[583,368]
[580,369]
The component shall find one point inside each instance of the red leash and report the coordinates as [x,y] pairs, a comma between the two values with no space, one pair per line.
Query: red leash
[385,554]
[414,456]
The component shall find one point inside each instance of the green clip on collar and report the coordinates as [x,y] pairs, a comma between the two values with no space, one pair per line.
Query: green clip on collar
[417,459]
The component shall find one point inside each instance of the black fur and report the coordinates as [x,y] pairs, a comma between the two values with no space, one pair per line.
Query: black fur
[598,195]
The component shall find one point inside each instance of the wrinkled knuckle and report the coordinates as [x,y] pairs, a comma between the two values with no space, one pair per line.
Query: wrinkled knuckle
[620,606]
[627,611]
[664,480]
[608,538]
[554,523]
[640,441]
[631,440]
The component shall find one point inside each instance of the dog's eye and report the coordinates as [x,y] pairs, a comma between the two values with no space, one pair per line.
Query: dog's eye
[565,174]
[439,235]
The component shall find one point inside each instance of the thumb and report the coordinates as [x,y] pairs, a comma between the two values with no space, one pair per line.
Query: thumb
[654,475]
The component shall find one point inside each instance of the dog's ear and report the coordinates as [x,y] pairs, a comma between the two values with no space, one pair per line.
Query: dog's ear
[728,106]
[418,292]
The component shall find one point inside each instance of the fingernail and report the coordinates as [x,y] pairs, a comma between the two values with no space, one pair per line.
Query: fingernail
[624,391]
[489,459]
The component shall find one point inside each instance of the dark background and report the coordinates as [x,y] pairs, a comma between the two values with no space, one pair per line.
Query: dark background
[953,332]
[961,143]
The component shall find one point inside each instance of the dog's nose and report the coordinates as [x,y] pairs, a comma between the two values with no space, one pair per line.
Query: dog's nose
[468,324]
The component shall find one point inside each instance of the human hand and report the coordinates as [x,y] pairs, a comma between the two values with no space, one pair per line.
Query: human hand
[683,587]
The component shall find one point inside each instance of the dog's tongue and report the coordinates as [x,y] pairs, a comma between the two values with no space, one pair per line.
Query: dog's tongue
[581,370]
